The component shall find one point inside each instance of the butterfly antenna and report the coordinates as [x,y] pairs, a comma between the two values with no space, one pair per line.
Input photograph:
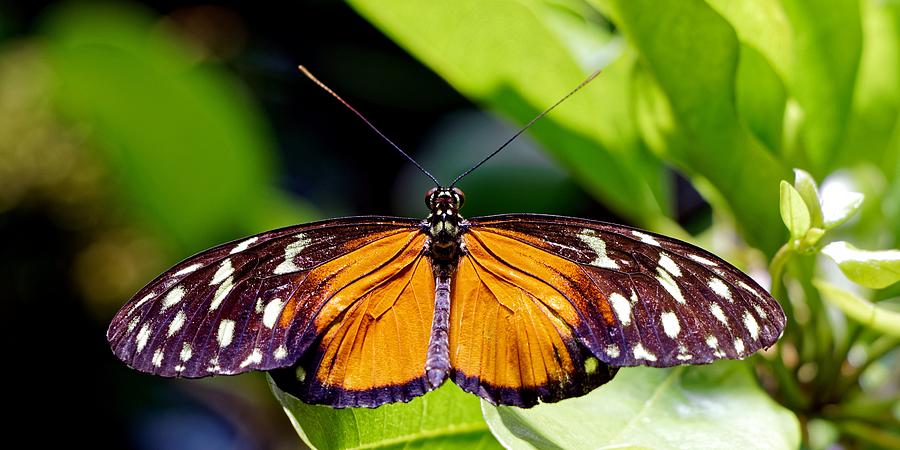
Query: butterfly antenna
[527,126]
[338,97]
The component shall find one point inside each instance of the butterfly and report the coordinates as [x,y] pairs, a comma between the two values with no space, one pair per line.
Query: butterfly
[517,309]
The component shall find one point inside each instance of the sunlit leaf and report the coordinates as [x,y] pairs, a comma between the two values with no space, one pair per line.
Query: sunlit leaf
[860,309]
[839,204]
[875,269]
[692,59]
[446,418]
[827,47]
[794,212]
[717,406]
[518,58]
[876,98]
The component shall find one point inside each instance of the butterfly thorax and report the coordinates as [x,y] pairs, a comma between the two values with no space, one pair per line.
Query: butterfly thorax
[443,225]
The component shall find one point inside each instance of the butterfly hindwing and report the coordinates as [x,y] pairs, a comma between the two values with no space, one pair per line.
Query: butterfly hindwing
[254,303]
[641,298]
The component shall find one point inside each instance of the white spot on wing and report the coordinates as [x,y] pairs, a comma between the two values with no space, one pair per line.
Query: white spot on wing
[186,352]
[142,337]
[280,352]
[598,246]
[713,343]
[702,260]
[174,296]
[290,252]
[666,263]
[752,326]
[222,292]
[273,310]
[621,307]
[645,238]
[612,350]
[683,355]
[189,269]
[739,345]
[760,311]
[176,323]
[225,333]
[720,288]
[157,357]
[133,323]
[670,285]
[641,353]
[244,245]
[671,325]
[179,368]
[140,303]
[259,306]
[716,311]
[255,357]
[225,271]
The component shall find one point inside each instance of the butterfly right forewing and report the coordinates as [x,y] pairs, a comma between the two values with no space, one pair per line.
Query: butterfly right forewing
[233,308]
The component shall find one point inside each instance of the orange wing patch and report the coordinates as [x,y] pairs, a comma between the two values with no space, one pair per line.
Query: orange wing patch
[512,325]
[372,333]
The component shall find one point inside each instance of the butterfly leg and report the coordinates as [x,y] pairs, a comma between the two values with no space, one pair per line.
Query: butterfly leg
[437,362]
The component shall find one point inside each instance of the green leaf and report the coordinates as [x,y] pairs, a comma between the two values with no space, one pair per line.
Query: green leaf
[794,212]
[717,406]
[762,25]
[827,46]
[189,151]
[690,57]
[518,58]
[806,186]
[860,309]
[839,204]
[445,418]
[874,269]
[876,100]
[760,98]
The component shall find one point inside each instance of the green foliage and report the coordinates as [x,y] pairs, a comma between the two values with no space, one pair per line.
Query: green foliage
[188,148]
[794,212]
[684,407]
[860,309]
[874,269]
[446,418]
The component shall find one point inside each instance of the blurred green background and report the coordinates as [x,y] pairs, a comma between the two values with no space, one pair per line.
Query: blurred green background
[133,135]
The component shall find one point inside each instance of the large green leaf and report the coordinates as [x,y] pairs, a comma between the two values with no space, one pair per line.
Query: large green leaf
[690,54]
[190,153]
[445,418]
[827,47]
[717,406]
[519,57]
[876,101]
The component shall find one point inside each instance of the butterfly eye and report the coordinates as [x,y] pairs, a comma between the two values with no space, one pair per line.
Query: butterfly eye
[429,196]
[460,196]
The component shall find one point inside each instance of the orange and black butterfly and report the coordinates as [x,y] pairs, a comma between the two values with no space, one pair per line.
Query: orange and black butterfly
[517,309]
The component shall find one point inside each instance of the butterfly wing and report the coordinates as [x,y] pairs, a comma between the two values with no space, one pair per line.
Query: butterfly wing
[338,288]
[630,297]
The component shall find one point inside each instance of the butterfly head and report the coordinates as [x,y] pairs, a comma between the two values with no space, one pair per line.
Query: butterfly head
[442,200]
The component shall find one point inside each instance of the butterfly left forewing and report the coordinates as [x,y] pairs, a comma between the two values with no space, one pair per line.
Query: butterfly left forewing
[237,307]
[642,298]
